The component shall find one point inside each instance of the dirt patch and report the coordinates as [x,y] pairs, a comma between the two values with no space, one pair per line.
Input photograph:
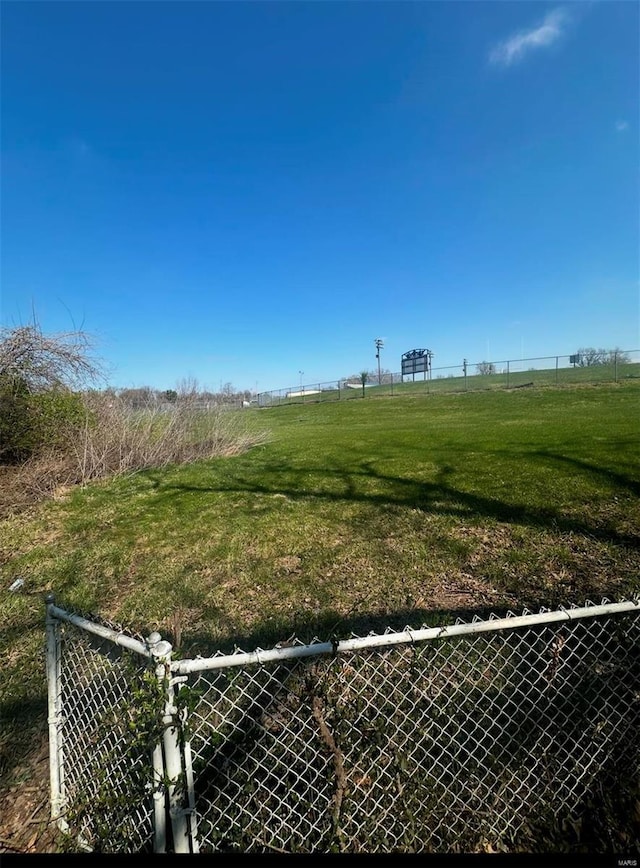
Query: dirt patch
[288,564]
[25,811]
[462,591]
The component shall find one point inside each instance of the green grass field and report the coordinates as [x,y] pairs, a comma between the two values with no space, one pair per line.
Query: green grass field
[354,515]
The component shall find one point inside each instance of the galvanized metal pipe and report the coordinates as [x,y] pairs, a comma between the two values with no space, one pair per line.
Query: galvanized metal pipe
[191,793]
[154,643]
[99,630]
[161,652]
[185,667]
[159,809]
[53,712]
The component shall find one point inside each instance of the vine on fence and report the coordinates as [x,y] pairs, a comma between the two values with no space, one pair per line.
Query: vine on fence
[118,774]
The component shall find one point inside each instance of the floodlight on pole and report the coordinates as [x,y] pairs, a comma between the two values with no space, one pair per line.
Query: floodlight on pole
[379,345]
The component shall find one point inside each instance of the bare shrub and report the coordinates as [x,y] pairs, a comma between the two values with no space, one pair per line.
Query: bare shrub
[39,377]
[45,474]
[117,439]
[41,361]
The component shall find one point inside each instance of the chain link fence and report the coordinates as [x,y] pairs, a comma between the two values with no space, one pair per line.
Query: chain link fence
[514,734]
[107,698]
[470,377]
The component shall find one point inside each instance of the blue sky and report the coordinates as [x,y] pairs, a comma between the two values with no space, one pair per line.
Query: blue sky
[240,191]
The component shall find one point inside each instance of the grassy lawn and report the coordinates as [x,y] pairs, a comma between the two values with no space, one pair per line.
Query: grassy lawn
[354,515]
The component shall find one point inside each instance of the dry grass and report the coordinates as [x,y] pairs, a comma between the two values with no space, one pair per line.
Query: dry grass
[116,440]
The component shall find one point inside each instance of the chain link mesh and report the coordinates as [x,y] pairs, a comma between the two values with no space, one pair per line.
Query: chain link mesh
[106,769]
[512,738]
[491,741]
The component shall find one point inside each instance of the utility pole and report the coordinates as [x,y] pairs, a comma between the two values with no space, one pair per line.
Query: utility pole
[379,344]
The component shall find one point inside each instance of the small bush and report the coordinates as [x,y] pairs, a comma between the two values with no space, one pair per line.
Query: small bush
[15,435]
[33,424]
[40,377]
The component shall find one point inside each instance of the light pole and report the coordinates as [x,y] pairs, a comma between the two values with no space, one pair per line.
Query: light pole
[379,344]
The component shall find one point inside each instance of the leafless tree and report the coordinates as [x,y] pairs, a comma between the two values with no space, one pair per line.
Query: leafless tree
[188,389]
[588,356]
[616,355]
[139,398]
[39,362]
[386,377]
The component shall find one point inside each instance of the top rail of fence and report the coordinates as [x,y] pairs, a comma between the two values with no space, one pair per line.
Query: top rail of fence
[406,636]
[103,632]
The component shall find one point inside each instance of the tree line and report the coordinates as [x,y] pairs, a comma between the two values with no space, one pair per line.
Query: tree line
[585,357]
[143,397]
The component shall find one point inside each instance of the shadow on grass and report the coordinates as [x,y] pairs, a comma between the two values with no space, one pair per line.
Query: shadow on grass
[438,497]
[619,480]
[24,726]
[23,702]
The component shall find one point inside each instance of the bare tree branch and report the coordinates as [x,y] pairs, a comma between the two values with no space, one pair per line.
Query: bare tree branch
[40,362]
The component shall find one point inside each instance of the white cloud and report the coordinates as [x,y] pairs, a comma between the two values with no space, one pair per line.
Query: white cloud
[514,48]
[621,126]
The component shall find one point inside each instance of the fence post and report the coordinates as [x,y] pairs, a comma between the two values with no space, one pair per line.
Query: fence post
[615,366]
[161,652]
[54,715]
[507,373]
[159,794]
[556,370]
[191,795]
[159,807]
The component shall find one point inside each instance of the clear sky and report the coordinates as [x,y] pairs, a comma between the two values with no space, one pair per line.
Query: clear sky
[240,191]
